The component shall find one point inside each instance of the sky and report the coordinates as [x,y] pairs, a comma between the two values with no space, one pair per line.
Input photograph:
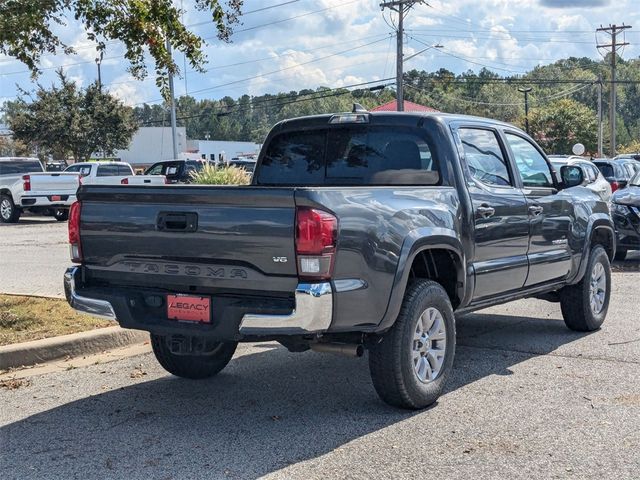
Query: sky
[284,45]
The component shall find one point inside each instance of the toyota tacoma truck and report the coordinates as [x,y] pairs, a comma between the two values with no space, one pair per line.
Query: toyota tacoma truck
[360,231]
[24,185]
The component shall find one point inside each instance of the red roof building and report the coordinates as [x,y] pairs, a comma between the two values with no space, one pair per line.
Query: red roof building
[408,107]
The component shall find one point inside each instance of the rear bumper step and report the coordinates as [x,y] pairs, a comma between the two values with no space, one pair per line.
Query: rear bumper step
[92,306]
[313,310]
[312,313]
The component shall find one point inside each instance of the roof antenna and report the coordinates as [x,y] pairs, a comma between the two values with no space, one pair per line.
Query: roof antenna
[357,108]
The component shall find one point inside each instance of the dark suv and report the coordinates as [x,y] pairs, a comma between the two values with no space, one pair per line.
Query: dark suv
[177,171]
[618,171]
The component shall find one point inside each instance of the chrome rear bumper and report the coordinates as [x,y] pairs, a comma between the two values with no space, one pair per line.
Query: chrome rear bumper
[313,310]
[313,313]
[92,306]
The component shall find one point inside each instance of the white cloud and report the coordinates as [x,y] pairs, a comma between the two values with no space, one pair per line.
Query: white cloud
[508,35]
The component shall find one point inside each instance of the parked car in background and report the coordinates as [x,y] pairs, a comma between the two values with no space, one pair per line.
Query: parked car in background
[626,216]
[593,178]
[628,156]
[55,166]
[359,231]
[616,172]
[24,185]
[177,171]
[112,173]
[245,164]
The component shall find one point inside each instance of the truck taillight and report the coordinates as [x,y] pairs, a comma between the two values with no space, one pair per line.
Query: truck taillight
[614,186]
[26,183]
[74,232]
[124,181]
[316,234]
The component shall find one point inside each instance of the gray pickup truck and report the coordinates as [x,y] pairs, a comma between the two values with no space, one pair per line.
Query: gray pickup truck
[360,231]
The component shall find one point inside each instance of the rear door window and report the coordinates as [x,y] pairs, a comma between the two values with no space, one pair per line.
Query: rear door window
[484,156]
[107,171]
[359,155]
[606,169]
[124,170]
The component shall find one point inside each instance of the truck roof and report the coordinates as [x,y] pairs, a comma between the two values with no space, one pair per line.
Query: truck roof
[389,118]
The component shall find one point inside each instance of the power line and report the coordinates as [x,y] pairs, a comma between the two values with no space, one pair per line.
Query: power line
[276,102]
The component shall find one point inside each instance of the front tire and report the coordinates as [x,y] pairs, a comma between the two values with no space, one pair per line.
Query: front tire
[9,213]
[194,367]
[411,364]
[584,305]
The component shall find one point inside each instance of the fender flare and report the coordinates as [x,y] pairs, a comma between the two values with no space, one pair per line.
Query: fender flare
[596,222]
[417,241]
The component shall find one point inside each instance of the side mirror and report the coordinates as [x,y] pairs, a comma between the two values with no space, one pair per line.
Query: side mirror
[571,175]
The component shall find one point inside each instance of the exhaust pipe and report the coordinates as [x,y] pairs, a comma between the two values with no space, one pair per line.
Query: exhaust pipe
[347,349]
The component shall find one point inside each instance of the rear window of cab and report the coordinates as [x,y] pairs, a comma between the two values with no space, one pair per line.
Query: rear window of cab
[354,155]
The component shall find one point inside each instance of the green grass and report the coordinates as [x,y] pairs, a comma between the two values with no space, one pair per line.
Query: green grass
[24,318]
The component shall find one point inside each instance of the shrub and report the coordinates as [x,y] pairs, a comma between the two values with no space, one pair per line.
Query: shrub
[212,175]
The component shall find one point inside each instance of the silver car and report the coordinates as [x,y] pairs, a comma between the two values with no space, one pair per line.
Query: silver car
[594,180]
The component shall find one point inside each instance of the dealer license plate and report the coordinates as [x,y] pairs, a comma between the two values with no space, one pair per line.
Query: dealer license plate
[188,308]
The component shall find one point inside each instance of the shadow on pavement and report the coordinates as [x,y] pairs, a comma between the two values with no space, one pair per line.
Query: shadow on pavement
[264,412]
[31,221]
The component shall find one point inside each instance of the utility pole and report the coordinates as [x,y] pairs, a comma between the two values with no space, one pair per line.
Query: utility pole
[172,105]
[99,62]
[600,154]
[613,31]
[400,7]
[526,91]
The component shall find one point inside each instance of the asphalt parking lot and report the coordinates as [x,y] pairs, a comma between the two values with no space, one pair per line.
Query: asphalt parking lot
[528,399]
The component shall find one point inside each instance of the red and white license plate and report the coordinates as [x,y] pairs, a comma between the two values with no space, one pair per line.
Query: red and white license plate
[188,308]
[56,198]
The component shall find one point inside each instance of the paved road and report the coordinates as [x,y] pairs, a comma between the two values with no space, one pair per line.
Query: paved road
[34,254]
[528,399]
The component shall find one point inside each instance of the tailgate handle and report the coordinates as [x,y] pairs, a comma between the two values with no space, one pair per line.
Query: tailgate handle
[177,222]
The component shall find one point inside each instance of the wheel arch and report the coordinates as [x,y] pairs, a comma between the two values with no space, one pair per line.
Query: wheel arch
[425,254]
[600,231]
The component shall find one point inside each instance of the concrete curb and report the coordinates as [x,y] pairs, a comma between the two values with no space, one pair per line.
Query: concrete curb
[74,345]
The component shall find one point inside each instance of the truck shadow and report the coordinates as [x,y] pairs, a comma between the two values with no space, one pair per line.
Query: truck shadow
[266,411]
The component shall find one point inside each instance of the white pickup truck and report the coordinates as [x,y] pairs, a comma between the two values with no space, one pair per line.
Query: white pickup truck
[112,173]
[24,185]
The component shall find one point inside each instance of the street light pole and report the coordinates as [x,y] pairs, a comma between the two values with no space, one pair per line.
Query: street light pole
[526,91]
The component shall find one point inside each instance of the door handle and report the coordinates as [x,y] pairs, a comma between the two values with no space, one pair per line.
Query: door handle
[177,222]
[535,210]
[485,211]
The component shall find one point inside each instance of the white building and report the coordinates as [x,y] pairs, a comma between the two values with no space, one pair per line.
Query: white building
[153,144]
[213,149]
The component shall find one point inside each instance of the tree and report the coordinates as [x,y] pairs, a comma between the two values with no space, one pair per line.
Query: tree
[563,123]
[28,30]
[67,120]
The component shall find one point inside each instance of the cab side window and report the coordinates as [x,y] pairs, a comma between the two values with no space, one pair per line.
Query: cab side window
[484,156]
[532,166]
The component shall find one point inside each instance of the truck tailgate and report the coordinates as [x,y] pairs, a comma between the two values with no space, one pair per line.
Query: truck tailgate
[188,237]
[54,183]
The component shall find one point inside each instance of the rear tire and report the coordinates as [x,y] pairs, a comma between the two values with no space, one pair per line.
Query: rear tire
[9,213]
[411,364]
[620,255]
[584,305]
[192,366]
